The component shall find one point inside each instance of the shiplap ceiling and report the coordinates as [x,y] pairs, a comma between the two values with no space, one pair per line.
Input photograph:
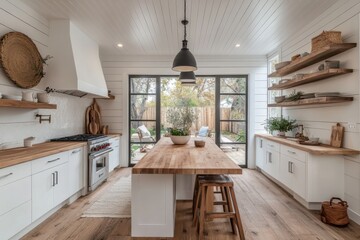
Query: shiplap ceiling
[152,27]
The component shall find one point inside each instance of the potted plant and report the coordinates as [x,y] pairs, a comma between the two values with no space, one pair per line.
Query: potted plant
[280,124]
[181,117]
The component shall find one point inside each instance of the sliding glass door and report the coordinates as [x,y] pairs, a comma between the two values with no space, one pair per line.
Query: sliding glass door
[231,117]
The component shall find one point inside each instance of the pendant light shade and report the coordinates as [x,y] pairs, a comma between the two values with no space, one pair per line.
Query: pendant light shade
[186,77]
[184,61]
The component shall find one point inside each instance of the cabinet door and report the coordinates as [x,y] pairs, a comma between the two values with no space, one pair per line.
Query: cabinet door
[61,188]
[298,171]
[260,153]
[76,170]
[272,163]
[42,193]
[114,156]
[284,171]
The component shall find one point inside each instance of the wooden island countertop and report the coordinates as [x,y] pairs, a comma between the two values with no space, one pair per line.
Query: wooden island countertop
[322,149]
[167,158]
[10,157]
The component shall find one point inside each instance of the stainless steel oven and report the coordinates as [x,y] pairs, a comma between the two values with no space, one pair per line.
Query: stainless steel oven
[98,168]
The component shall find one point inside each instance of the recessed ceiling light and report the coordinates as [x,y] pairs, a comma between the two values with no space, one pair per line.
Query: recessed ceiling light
[120,45]
[237,45]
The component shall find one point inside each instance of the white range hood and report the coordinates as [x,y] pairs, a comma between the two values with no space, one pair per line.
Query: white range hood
[75,68]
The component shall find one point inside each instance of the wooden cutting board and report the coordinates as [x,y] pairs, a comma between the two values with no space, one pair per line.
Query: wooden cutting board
[337,135]
[87,119]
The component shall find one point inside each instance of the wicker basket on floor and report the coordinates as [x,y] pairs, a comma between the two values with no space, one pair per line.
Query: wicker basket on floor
[324,39]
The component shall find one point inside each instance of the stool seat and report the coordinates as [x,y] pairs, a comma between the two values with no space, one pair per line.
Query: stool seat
[230,208]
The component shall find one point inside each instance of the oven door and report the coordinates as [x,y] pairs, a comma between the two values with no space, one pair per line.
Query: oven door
[98,168]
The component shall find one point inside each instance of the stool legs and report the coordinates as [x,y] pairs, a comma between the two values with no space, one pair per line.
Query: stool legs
[237,214]
[230,203]
[202,212]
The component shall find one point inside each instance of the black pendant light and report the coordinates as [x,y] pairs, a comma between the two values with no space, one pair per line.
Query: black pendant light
[187,78]
[184,61]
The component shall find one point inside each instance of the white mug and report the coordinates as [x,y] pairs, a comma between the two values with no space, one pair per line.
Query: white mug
[28,96]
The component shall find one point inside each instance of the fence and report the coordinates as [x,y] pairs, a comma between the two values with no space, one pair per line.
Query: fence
[205,117]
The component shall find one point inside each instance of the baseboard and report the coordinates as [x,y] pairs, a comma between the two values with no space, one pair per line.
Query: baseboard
[354,216]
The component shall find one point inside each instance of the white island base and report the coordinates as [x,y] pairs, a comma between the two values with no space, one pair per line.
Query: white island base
[153,202]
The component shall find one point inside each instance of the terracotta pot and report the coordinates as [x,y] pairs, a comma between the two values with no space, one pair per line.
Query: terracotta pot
[180,140]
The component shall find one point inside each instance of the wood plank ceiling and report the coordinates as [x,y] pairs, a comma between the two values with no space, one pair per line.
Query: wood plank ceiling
[152,27]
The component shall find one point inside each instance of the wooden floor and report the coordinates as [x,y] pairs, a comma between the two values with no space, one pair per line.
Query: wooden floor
[267,213]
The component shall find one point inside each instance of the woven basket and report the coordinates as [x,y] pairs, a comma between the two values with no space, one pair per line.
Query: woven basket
[21,59]
[324,39]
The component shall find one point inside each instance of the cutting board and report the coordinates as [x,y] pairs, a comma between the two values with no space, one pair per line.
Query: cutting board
[337,135]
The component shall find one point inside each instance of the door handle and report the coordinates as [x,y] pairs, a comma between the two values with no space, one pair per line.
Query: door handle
[75,151]
[6,175]
[53,160]
[57,177]
[53,179]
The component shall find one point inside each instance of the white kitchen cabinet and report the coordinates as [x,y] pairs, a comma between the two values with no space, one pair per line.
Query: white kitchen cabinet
[76,170]
[309,177]
[260,152]
[114,156]
[49,188]
[15,199]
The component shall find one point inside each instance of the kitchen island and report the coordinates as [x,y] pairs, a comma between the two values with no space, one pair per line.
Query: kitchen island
[166,174]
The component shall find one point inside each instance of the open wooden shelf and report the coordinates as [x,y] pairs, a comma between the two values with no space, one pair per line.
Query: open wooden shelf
[313,77]
[312,58]
[313,101]
[24,104]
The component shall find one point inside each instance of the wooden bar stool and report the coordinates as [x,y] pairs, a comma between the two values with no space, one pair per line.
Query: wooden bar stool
[231,209]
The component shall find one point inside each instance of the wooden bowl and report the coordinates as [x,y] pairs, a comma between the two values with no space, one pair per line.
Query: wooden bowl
[199,143]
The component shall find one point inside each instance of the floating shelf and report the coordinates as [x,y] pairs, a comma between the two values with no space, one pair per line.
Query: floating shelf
[313,101]
[24,104]
[312,58]
[313,77]
[111,97]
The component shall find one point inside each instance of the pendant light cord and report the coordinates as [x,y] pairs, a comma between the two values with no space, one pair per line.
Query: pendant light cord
[185,20]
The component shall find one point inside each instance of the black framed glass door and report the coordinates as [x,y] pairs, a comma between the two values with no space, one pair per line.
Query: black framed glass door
[231,117]
[144,109]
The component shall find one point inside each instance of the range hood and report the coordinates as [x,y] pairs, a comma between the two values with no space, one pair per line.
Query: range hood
[75,68]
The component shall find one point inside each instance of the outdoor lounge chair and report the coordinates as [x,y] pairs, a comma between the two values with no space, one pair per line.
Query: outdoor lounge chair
[204,131]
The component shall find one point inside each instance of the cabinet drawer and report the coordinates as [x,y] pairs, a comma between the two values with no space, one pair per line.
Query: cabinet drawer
[293,152]
[14,221]
[14,194]
[13,173]
[44,163]
[114,141]
[272,145]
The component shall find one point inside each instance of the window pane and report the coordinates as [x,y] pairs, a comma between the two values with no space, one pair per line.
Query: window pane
[232,132]
[232,85]
[236,152]
[142,131]
[143,85]
[143,107]
[138,151]
[232,107]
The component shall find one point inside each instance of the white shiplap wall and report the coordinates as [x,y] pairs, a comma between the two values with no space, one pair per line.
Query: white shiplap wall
[117,70]
[317,120]
[17,124]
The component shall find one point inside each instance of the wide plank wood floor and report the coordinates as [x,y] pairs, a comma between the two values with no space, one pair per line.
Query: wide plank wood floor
[267,213]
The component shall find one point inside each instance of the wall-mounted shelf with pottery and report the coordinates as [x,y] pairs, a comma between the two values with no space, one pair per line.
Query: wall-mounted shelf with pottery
[24,104]
[312,77]
[312,58]
[313,101]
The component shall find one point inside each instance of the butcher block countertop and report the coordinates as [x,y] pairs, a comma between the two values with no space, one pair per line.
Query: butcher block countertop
[10,157]
[316,150]
[167,158]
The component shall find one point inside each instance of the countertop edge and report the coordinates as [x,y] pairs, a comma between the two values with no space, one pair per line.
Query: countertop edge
[339,151]
[43,153]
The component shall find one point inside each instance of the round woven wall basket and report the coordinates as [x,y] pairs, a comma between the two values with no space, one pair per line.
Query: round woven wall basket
[21,59]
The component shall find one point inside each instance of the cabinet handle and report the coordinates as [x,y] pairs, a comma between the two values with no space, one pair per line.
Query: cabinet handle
[291,152]
[291,167]
[270,161]
[57,177]
[6,175]
[271,145]
[53,160]
[53,179]
[261,143]
[75,151]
